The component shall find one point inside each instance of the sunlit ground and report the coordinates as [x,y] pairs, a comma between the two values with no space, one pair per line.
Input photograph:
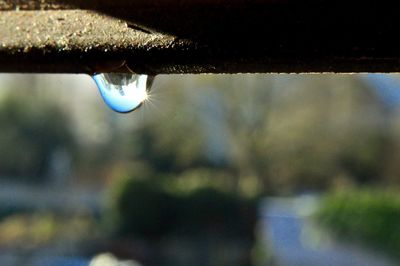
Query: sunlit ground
[210,170]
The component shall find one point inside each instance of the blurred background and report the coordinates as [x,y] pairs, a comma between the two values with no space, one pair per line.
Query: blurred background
[212,170]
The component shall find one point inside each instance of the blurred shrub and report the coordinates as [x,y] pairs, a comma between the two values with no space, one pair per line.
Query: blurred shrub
[144,208]
[369,216]
[141,208]
[219,213]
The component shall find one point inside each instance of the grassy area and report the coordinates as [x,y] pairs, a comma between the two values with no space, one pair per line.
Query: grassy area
[369,216]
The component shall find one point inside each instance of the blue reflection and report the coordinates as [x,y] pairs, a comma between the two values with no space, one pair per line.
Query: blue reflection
[123,92]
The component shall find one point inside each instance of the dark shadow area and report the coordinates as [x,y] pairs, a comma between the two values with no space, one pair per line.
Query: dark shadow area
[290,36]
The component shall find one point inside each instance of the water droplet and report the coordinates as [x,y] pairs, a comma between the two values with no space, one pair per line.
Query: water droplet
[123,92]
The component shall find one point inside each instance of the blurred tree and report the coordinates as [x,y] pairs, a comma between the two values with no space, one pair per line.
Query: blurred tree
[325,127]
[31,132]
[263,133]
[273,134]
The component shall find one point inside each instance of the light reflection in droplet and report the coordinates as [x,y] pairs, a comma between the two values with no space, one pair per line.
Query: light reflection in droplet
[123,92]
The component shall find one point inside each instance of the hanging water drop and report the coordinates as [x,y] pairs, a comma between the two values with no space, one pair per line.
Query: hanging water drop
[123,92]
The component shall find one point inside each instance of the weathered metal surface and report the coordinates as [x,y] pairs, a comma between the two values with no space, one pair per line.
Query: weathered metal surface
[79,41]
[197,36]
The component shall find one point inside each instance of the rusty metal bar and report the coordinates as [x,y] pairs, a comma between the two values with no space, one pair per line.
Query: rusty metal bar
[198,36]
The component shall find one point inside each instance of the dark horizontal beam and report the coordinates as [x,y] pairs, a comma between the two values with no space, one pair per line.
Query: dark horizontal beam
[197,36]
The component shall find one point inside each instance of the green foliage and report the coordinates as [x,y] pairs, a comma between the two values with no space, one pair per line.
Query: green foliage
[30,133]
[370,216]
[141,208]
[220,213]
[144,208]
